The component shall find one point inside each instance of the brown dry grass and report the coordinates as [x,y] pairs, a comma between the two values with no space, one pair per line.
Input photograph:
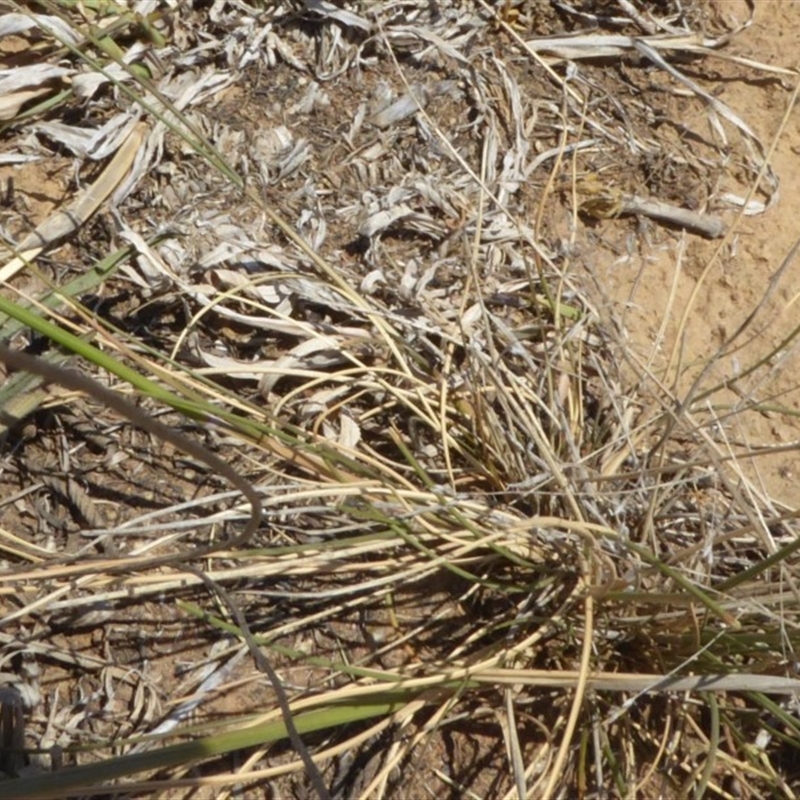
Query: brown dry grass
[478,500]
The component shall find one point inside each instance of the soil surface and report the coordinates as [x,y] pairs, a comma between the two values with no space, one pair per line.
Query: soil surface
[650,288]
[650,281]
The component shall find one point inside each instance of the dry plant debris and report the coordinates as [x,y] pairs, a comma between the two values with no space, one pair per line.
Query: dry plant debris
[358,225]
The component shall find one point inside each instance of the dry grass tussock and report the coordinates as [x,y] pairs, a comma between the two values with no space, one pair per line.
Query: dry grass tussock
[498,554]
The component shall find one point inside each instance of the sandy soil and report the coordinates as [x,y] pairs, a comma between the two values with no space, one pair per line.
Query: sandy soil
[650,291]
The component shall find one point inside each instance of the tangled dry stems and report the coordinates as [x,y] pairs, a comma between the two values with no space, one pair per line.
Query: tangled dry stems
[466,479]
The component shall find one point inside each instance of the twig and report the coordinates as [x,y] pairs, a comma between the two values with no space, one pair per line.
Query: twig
[704,224]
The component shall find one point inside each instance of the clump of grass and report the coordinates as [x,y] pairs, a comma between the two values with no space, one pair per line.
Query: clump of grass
[481,522]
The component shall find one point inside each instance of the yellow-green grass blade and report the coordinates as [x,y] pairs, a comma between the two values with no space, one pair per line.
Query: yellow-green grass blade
[69,780]
[20,395]
[192,408]
[57,296]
